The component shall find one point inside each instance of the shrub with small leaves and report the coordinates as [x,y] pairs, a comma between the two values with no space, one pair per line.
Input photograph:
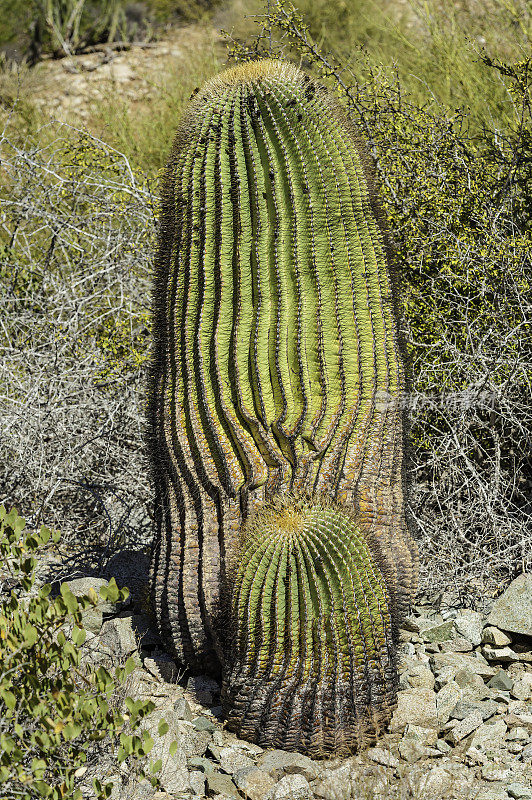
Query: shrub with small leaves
[52,708]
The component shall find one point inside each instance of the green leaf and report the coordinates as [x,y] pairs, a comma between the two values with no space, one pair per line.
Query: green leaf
[129,666]
[9,698]
[156,767]
[45,534]
[78,636]
[30,635]
[44,789]
[110,592]
[173,748]
[70,600]
[38,767]
[163,727]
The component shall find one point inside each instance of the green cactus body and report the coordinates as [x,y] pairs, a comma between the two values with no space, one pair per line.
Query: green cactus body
[272,400]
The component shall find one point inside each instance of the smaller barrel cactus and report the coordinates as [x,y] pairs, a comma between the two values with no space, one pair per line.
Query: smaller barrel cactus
[312,637]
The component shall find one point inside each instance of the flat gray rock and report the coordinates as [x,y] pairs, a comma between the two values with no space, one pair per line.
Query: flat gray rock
[416,707]
[334,784]
[512,611]
[221,784]
[279,762]
[291,787]
[253,782]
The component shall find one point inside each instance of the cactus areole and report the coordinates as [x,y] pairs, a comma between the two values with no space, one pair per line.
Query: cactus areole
[282,560]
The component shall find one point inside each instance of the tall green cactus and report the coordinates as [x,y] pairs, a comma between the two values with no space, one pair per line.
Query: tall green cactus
[281,554]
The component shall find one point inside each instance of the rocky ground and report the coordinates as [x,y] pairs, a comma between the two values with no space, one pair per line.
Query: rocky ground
[462,728]
[70,89]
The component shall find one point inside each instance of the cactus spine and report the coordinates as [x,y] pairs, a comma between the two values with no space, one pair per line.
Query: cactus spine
[281,552]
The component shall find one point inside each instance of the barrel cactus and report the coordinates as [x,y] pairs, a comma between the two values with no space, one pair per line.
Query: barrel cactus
[282,558]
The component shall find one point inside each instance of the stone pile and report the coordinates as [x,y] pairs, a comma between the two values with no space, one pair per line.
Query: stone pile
[462,728]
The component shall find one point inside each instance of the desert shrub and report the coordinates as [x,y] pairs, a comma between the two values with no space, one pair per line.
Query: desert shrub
[435,48]
[77,234]
[457,209]
[53,709]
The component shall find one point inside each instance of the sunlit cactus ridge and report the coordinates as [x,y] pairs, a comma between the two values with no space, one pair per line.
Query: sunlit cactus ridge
[273,396]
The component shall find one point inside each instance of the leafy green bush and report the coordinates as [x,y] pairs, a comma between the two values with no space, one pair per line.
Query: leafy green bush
[52,708]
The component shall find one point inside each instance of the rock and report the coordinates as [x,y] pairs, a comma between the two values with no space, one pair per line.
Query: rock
[436,783]
[92,620]
[381,756]
[417,624]
[501,680]
[489,736]
[519,734]
[469,624]
[472,684]
[279,762]
[218,783]
[439,633]
[129,568]
[194,742]
[519,720]
[486,708]
[519,791]
[117,639]
[493,772]
[203,689]
[162,666]
[143,790]
[457,645]
[512,611]
[505,654]
[495,793]
[80,586]
[417,743]
[420,676]
[526,754]
[446,700]
[253,782]
[445,675]
[233,759]
[334,784]
[464,727]
[173,775]
[203,724]
[197,781]
[200,764]
[291,787]
[492,635]
[475,664]
[522,688]
[417,707]
[183,710]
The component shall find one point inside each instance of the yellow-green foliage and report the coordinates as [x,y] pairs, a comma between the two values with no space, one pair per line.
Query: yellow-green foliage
[53,709]
[433,46]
